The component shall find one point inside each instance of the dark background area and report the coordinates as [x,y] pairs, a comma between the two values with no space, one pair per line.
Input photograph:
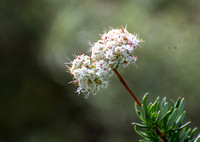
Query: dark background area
[37,37]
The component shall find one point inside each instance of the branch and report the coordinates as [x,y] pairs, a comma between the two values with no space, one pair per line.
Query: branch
[127,88]
[162,136]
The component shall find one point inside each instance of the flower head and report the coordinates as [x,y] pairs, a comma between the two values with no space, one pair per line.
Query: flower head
[116,47]
[93,72]
[89,75]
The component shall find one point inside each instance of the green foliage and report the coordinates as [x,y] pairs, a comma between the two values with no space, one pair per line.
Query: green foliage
[160,117]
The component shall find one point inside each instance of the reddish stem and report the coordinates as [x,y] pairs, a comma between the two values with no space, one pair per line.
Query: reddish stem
[127,88]
[162,136]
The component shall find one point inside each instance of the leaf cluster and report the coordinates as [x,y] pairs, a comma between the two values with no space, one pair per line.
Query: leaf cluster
[161,120]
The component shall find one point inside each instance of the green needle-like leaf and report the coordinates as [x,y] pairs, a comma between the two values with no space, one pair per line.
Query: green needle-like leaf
[137,110]
[197,139]
[150,104]
[139,132]
[163,102]
[163,111]
[143,114]
[183,126]
[144,104]
[180,119]
[145,141]
[177,102]
[171,118]
[192,133]
[139,125]
[181,106]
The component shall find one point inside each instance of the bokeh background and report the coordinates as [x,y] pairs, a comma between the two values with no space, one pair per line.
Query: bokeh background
[37,37]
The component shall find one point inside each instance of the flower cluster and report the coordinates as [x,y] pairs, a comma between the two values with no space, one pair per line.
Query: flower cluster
[89,75]
[93,72]
[116,47]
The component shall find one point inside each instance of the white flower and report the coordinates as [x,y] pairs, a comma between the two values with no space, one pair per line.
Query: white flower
[116,47]
[91,73]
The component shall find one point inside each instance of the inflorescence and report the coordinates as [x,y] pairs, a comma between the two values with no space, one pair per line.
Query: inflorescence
[91,73]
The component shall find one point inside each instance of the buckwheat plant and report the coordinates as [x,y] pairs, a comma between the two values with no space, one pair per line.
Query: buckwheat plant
[161,122]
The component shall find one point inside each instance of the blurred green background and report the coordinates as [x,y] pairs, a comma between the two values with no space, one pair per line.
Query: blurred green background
[37,37]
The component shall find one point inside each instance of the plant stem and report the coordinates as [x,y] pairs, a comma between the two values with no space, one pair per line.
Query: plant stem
[162,136]
[127,88]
